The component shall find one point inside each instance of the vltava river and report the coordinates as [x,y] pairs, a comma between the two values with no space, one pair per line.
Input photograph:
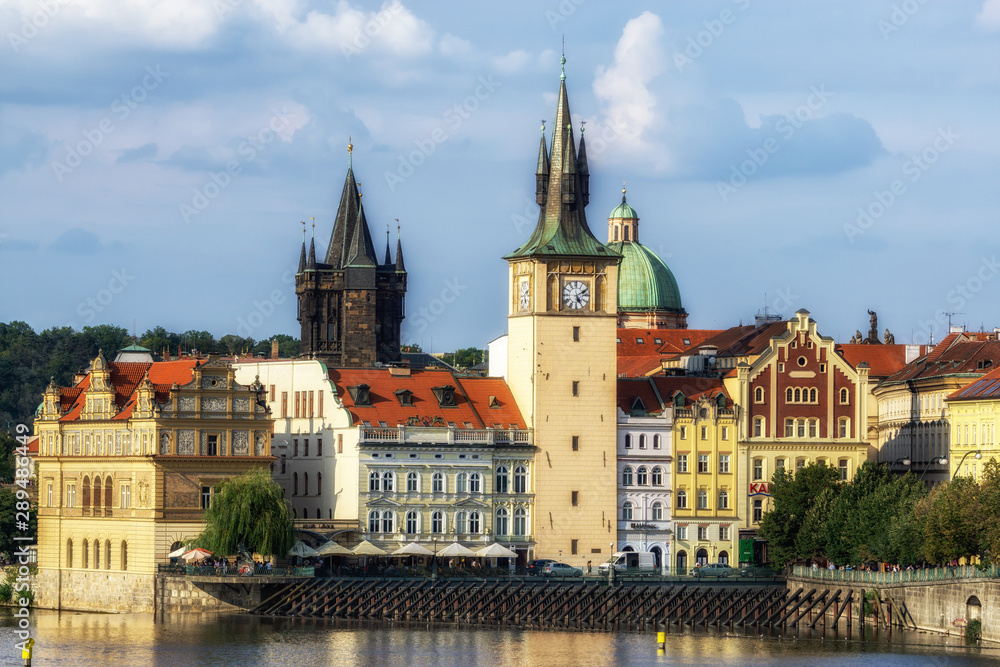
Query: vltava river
[120,640]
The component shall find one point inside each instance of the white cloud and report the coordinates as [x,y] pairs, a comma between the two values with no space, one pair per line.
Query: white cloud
[624,86]
[452,46]
[989,17]
[392,29]
[512,62]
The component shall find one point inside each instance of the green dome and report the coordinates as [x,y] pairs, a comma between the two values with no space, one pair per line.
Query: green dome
[624,211]
[645,283]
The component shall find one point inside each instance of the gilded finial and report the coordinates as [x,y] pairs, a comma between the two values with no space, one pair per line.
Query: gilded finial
[623,191]
[350,149]
[583,127]
[303,231]
[562,60]
[543,127]
[397,229]
[314,226]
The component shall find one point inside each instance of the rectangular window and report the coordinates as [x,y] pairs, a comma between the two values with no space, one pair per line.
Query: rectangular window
[724,533]
[304,403]
[576,339]
[320,399]
[126,496]
[305,445]
[781,367]
[801,427]
[682,532]
[48,495]
[704,433]
[813,428]
[758,469]
[295,447]
[843,428]
[213,445]
[682,463]
[779,464]
[576,443]
[684,432]
[789,428]
[206,497]
[758,510]
[272,393]
[574,547]
[758,427]
[71,495]
[312,395]
[703,463]
[575,498]
[319,445]
[297,394]
[843,469]
[725,433]
[702,533]
[284,405]
[576,388]
[800,464]
[723,462]
[340,443]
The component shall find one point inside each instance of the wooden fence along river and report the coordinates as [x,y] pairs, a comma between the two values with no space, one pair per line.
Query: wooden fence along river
[585,606]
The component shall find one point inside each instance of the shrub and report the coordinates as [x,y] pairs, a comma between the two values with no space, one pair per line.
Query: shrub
[974,630]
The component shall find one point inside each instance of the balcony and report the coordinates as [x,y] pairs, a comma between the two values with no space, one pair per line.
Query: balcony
[430,435]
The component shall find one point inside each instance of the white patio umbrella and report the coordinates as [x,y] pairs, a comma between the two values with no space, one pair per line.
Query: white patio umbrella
[331,548]
[177,553]
[496,551]
[366,548]
[413,549]
[456,549]
[302,549]
[196,554]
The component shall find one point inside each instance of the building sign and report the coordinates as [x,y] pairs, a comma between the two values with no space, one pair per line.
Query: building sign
[760,489]
[645,526]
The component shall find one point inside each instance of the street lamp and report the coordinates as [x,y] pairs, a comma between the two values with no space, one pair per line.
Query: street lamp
[936,459]
[434,559]
[905,461]
[979,455]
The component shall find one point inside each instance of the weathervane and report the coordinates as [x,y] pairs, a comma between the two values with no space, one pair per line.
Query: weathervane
[314,226]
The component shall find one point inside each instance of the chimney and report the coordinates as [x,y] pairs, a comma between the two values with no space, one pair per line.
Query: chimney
[400,369]
[274,348]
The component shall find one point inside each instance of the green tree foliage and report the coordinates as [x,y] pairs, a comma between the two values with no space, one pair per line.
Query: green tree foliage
[7,465]
[8,519]
[250,510]
[989,501]
[953,521]
[792,496]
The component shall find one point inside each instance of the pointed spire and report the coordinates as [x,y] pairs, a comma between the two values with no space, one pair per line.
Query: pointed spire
[302,258]
[350,149]
[542,171]
[311,265]
[400,267]
[563,60]
[388,258]
[350,224]
[584,168]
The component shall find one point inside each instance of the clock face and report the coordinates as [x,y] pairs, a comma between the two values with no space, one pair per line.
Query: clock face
[575,294]
[524,295]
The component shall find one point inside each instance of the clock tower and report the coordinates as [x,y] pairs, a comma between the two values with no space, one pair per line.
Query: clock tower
[562,362]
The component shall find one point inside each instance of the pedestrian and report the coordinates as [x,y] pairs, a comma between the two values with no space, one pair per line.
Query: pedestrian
[589,566]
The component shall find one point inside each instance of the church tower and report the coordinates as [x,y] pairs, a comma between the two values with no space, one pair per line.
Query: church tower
[562,364]
[350,306]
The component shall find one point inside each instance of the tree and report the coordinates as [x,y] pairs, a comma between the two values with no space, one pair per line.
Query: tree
[468,357]
[792,496]
[8,519]
[953,521]
[248,511]
[989,501]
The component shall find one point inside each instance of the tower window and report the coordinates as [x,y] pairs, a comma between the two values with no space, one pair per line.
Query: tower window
[576,387]
[576,334]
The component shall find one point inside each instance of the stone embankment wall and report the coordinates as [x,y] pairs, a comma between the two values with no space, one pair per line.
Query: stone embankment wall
[935,606]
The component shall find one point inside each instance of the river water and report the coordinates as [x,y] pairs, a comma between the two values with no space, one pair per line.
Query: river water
[119,640]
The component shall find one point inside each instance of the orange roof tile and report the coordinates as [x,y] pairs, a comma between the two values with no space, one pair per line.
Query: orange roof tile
[124,378]
[883,360]
[631,367]
[671,341]
[985,387]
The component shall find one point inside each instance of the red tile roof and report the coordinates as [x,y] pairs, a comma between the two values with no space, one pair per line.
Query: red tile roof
[986,387]
[693,388]
[883,360]
[124,378]
[671,341]
[741,340]
[472,398]
[632,367]
[973,357]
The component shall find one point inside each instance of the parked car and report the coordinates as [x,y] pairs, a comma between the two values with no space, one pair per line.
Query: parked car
[622,561]
[535,567]
[757,571]
[561,570]
[713,570]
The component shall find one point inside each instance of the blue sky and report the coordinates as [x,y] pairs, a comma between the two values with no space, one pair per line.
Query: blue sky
[157,157]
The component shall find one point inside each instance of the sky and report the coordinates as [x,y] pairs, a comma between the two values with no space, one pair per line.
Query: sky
[157,157]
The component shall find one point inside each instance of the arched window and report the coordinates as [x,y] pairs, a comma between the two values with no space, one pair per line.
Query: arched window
[295,484]
[374,481]
[758,395]
[319,514]
[107,554]
[520,521]
[319,484]
[86,555]
[682,499]
[500,521]
[798,395]
[475,483]
[437,482]
[657,511]
[388,522]
[461,482]
[723,500]
[86,494]
[628,441]
[388,481]
[657,479]
[412,481]
[107,495]
[788,395]
[305,484]
[124,555]
[656,441]
[627,477]
[98,494]
[703,499]
[461,523]
[520,479]
[626,511]
[475,522]
[69,553]
[812,395]
[411,522]
[373,521]
[437,522]
[845,396]
[502,480]
[641,476]
[642,441]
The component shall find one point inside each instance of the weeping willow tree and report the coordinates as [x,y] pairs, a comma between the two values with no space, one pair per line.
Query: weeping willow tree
[248,512]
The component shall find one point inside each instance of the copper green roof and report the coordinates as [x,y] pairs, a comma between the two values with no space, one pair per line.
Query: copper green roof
[624,211]
[645,283]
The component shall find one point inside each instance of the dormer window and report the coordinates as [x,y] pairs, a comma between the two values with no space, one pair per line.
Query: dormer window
[638,341]
[445,396]
[405,396]
[679,400]
[494,403]
[360,395]
[638,407]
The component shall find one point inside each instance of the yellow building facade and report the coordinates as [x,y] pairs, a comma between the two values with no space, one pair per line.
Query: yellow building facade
[128,459]
[975,421]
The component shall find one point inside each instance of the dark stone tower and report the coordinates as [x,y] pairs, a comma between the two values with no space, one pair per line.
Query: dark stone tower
[351,307]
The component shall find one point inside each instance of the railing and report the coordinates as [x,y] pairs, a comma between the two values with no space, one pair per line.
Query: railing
[232,571]
[444,435]
[901,577]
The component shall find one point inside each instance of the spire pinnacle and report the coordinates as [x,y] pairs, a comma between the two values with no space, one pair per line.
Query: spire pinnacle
[313,226]
[350,149]
[623,191]
[562,60]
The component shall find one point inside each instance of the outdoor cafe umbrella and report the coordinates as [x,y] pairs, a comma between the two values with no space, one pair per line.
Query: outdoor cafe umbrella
[177,553]
[197,554]
[331,548]
[302,550]
[413,549]
[366,548]
[496,551]
[456,549]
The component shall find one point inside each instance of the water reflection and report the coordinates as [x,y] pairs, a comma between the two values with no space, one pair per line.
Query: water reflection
[235,639]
